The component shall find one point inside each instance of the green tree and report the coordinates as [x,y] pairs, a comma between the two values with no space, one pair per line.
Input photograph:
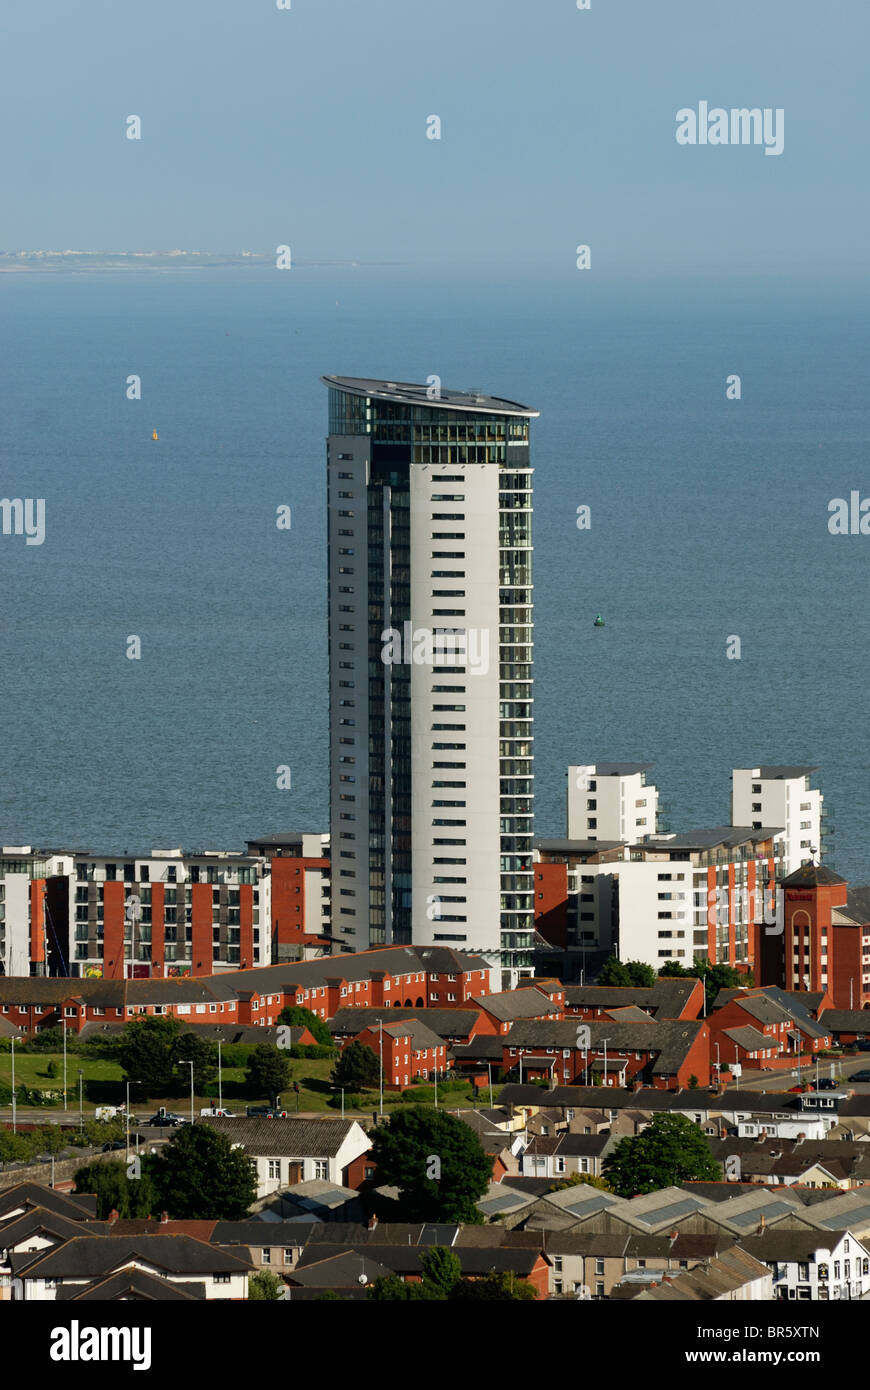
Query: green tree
[441,1268]
[436,1161]
[357,1068]
[51,1070]
[614,973]
[297,1017]
[265,1286]
[389,1288]
[672,969]
[189,1047]
[581,1180]
[268,1071]
[641,975]
[693,1082]
[671,1150]
[108,1181]
[145,1054]
[201,1177]
[502,1287]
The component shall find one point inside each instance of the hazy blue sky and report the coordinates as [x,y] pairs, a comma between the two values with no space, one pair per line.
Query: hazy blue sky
[307,126]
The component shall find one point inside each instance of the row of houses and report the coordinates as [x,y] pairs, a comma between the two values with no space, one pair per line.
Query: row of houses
[419,977]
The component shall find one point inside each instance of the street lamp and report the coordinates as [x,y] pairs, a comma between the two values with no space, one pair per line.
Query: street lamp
[14,1041]
[220,1086]
[190,1064]
[63,1021]
[605,1041]
[81,1103]
[381,1050]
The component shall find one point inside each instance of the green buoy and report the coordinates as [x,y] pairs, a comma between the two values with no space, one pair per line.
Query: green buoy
[599,621]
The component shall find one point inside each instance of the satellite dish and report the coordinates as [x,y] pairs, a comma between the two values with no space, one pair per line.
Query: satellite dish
[363,1279]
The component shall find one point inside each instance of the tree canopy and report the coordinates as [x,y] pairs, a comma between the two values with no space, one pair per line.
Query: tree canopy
[200,1176]
[130,1197]
[145,1054]
[298,1017]
[624,974]
[357,1068]
[268,1071]
[437,1163]
[671,1150]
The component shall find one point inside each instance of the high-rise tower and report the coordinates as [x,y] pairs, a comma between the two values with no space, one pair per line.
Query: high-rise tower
[430,668]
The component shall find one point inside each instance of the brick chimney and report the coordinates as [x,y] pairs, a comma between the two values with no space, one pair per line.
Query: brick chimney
[113,1216]
[372,1222]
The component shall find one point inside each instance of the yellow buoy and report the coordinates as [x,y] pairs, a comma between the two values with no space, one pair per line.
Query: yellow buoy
[154,435]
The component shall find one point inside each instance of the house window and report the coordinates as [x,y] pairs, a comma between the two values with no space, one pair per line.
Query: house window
[321,1168]
[222,1278]
[266,1257]
[275,1168]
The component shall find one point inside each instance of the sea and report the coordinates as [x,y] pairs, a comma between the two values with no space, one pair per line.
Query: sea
[708,522]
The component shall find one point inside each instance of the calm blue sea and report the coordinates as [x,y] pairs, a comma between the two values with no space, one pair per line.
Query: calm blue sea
[709,519]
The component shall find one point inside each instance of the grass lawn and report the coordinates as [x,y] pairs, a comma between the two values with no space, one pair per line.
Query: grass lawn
[109,1088]
[31,1068]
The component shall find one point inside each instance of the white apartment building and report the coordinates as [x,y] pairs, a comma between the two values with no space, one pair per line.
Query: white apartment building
[782,796]
[676,897]
[430,668]
[611,801]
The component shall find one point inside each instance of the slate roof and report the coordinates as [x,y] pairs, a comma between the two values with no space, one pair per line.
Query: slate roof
[360,965]
[336,1270]
[811,876]
[485,1047]
[670,1040]
[127,1284]
[518,1004]
[665,999]
[714,1279]
[290,1138]
[87,1257]
[447,1023]
[845,1020]
[78,1207]
[751,1039]
[614,1098]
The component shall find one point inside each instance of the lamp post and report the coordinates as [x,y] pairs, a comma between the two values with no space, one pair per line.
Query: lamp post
[489,1070]
[81,1103]
[190,1064]
[63,1021]
[381,1052]
[220,1084]
[718,1063]
[14,1128]
[605,1041]
[127,1127]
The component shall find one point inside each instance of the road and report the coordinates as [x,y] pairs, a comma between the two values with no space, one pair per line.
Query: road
[783,1080]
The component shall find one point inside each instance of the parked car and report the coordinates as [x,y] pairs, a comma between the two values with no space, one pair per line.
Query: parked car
[267,1112]
[826,1083]
[863,1075]
[164,1118]
[862,1045]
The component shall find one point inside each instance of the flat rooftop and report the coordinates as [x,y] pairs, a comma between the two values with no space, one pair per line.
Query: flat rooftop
[776,773]
[410,393]
[708,839]
[620,769]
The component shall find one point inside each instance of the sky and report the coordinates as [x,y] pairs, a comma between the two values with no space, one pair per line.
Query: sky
[307,127]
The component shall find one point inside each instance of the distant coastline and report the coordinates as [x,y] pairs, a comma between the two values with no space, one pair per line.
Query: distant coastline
[42,262]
